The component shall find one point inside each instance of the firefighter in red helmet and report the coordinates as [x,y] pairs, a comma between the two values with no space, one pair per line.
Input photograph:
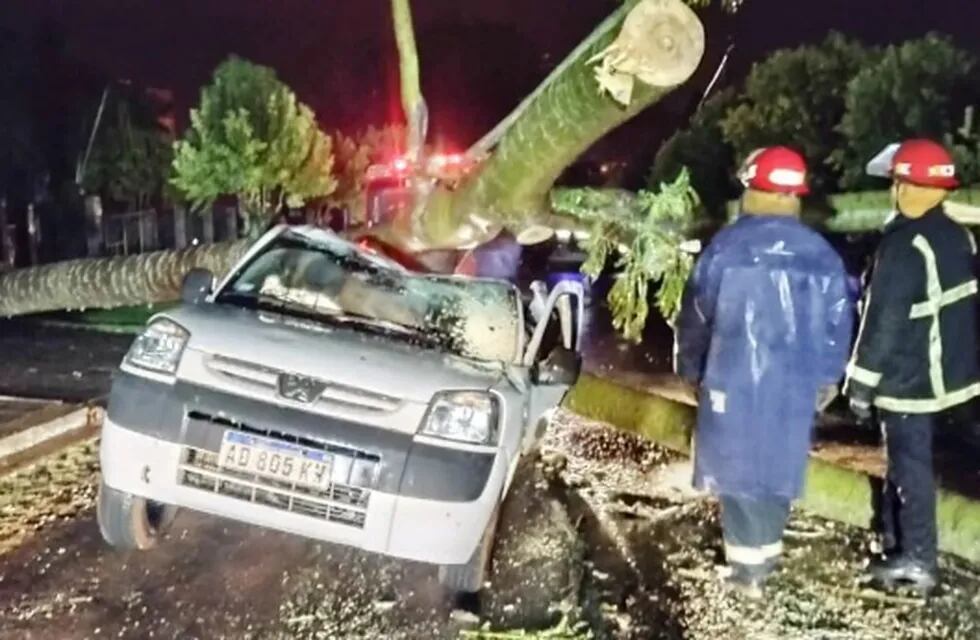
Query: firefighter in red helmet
[776,170]
[915,353]
[765,325]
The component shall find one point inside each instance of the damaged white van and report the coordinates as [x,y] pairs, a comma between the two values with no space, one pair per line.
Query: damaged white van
[324,390]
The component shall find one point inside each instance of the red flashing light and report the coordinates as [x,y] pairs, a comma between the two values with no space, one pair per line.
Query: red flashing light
[400,164]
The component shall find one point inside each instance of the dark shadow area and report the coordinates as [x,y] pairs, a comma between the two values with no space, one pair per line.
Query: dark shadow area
[639,585]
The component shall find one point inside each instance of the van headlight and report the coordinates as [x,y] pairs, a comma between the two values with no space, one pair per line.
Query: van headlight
[159,347]
[463,416]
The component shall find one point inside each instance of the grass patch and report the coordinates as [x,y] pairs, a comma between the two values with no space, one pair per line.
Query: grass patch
[128,319]
[136,315]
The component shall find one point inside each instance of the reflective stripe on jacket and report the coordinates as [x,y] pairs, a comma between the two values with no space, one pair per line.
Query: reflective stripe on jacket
[917,346]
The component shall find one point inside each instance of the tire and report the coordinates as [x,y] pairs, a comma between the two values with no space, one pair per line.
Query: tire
[130,522]
[470,577]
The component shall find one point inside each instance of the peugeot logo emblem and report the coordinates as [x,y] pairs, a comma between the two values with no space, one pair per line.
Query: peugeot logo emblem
[299,388]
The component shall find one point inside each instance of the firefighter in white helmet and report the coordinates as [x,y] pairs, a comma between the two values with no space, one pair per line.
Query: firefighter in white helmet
[916,353]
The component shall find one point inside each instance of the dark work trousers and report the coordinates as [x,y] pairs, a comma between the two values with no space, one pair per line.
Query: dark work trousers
[753,531]
[908,505]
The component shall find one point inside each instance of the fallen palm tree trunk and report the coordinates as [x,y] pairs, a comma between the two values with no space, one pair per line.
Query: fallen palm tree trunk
[832,491]
[111,282]
[155,277]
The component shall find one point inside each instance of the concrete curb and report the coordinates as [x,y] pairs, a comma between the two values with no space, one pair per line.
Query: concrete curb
[40,433]
[97,327]
[832,491]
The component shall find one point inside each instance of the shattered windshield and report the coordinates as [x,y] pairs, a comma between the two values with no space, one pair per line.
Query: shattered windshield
[315,275]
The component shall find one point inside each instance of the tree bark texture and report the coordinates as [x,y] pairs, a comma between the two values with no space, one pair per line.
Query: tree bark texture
[103,283]
[413,103]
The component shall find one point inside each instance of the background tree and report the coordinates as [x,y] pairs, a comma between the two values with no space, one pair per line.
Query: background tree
[797,97]
[703,151]
[918,88]
[130,161]
[251,137]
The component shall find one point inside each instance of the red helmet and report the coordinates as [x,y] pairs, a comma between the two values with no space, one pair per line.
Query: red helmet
[775,169]
[925,163]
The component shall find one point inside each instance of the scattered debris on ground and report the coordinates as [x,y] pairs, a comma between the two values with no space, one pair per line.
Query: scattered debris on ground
[563,631]
[56,487]
[372,598]
[538,556]
[648,511]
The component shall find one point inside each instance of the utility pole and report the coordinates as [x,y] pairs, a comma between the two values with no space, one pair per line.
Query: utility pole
[6,239]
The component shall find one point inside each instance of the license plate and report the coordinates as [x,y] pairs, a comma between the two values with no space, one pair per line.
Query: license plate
[281,461]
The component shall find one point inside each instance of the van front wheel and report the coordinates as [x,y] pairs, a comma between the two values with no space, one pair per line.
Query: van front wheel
[131,522]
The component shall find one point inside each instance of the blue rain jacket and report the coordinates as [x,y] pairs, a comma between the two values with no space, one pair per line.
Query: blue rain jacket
[765,321]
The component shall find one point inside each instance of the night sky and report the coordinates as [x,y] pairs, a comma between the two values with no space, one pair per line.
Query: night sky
[479,57]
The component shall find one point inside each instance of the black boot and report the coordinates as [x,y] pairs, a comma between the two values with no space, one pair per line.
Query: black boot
[891,571]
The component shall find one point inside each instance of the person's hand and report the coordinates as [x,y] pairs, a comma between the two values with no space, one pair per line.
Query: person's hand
[861,410]
[825,396]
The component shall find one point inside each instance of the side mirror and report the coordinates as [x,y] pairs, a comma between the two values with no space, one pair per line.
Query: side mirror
[561,367]
[197,286]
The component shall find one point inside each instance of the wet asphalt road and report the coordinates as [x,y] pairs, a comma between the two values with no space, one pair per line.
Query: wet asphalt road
[41,361]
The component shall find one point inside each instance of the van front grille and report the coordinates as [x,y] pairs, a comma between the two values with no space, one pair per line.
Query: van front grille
[334,394]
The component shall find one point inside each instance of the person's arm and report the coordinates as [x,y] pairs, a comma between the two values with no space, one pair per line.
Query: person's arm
[840,326]
[839,313]
[896,280]
[694,322]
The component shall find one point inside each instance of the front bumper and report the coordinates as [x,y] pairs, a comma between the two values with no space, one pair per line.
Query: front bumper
[424,503]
